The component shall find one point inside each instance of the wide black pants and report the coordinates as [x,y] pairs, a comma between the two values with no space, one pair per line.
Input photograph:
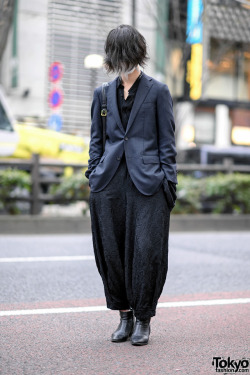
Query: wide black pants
[130,239]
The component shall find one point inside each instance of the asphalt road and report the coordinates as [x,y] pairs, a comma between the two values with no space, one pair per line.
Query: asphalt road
[46,282]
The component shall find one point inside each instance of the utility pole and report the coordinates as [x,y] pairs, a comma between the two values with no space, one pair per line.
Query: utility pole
[133,13]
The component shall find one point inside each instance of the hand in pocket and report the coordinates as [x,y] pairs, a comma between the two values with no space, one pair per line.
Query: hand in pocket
[170,193]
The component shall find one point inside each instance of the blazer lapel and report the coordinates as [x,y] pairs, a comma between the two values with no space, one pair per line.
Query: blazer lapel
[140,96]
[112,100]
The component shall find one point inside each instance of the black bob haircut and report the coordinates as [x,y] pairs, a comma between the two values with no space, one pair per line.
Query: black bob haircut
[125,48]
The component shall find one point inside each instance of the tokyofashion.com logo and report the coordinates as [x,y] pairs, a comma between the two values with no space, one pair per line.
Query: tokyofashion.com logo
[230,365]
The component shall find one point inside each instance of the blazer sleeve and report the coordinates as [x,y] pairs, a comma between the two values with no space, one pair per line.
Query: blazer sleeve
[166,134]
[95,146]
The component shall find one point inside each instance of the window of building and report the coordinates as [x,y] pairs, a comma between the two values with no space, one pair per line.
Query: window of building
[204,124]
[228,71]
[240,126]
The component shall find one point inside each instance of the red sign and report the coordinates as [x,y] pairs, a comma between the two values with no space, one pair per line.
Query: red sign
[55,71]
[55,98]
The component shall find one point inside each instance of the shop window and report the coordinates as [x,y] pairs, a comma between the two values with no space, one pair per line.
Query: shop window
[229,71]
[204,124]
[240,127]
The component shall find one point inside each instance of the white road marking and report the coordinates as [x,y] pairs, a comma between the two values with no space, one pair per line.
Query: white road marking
[47,259]
[66,310]
[208,302]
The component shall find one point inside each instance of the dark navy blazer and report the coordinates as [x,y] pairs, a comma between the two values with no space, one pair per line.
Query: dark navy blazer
[148,142]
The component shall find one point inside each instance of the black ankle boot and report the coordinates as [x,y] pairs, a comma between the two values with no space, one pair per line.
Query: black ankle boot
[141,332]
[125,328]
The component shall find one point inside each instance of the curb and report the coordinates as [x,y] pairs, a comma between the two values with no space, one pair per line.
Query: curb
[26,224]
[209,222]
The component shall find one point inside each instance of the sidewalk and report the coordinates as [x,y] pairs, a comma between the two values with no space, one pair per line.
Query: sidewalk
[26,224]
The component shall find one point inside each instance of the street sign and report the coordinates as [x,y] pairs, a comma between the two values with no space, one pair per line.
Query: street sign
[55,98]
[194,21]
[55,122]
[194,71]
[55,71]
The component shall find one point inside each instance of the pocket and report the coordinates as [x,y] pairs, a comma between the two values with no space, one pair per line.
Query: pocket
[168,195]
[172,191]
[94,169]
[148,159]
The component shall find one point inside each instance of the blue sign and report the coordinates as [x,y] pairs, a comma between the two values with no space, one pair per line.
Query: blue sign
[55,122]
[194,21]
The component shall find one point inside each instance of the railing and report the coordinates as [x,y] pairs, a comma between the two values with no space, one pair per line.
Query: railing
[35,165]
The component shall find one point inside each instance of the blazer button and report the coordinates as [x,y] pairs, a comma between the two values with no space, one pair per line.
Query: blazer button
[118,158]
[126,138]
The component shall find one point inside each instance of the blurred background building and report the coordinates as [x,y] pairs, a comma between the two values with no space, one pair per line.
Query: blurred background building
[210,72]
[201,49]
[42,32]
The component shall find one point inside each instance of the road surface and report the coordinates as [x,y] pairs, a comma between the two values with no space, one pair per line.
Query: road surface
[53,319]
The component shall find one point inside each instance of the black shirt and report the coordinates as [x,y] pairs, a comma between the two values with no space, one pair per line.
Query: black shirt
[125,106]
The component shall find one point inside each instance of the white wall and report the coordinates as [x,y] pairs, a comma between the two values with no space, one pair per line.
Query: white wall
[31,44]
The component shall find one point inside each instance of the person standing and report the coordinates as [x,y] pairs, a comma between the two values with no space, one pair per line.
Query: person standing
[132,185]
